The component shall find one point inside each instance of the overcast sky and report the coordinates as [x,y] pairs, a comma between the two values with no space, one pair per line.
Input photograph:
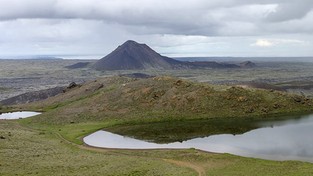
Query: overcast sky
[171,27]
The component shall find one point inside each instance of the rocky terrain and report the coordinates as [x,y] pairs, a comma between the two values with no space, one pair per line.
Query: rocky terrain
[22,76]
[32,96]
[78,65]
[37,95]
[247,64]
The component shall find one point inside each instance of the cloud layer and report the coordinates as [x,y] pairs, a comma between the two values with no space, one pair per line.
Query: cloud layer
[58,25]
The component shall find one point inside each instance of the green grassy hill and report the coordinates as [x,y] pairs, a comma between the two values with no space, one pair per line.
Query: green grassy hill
[163,98]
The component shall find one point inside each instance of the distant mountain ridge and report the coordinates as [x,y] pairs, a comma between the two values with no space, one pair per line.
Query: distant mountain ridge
[78,65]
[134,56]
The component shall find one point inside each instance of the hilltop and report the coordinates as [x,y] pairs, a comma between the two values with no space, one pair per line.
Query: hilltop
[160,98]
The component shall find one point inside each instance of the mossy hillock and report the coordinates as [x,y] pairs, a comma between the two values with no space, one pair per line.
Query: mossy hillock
[165,98]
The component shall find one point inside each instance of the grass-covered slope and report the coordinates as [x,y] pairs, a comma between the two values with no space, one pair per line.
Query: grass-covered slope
[163,98]
[31,152]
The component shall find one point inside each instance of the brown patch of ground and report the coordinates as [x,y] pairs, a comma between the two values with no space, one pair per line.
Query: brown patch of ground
[198,169]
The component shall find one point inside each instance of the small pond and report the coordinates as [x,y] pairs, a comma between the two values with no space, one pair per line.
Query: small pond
[18,115]
[274,140]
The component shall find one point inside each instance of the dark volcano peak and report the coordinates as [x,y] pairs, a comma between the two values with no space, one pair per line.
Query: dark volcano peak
[135,56]
[133,46]
[131,42]
[131,56]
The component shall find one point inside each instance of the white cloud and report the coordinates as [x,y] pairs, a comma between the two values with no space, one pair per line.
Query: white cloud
[263,43]
[276,42]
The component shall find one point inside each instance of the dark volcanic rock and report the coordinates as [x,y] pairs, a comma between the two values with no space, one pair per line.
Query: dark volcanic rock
[32,96]
[72,85]
[211,64]
[137,75]
[247,64]
[78,65]
[134,56]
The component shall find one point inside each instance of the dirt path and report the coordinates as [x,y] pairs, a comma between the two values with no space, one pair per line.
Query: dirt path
[198,169]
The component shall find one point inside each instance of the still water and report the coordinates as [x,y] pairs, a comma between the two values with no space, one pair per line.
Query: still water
[278,140]
[18,115]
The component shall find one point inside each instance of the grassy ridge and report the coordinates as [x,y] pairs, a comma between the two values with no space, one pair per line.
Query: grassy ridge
[163,98]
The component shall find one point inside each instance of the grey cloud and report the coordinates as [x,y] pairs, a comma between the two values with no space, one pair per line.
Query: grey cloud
[291,10]
[303,26]
[15,9]
[94,26]
[197,17]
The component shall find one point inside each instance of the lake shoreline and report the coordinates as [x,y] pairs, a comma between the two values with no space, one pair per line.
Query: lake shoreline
[130,142]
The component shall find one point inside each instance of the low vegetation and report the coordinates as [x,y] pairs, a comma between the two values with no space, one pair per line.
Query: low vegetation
[163,99]
[31,152]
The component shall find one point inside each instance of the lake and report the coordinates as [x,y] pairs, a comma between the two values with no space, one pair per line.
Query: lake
[18,115]
[275,140]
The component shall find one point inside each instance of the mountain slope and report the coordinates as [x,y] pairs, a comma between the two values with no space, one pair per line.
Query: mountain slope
[132,55]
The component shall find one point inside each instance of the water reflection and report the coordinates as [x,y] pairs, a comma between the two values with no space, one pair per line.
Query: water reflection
[18,115]
[284,140]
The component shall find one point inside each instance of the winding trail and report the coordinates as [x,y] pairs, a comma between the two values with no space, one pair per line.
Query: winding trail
[198,169]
